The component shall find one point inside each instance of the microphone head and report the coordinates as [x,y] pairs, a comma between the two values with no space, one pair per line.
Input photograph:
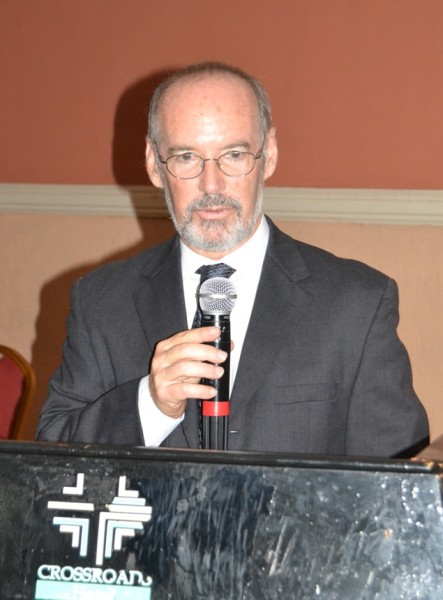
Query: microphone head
[217,296]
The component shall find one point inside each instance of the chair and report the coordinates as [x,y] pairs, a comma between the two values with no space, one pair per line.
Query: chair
[17,386]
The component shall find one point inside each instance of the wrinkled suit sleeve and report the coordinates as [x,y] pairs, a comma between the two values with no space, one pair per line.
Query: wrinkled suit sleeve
[385,417]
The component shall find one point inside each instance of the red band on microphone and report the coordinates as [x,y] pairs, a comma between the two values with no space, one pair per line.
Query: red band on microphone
[215,409]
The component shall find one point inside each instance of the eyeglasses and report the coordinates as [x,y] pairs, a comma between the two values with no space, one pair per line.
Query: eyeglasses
[188,165]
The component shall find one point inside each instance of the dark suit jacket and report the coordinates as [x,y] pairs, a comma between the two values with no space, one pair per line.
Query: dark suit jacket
[322,369]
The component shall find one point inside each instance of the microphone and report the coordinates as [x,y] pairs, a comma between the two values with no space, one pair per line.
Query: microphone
[217,297]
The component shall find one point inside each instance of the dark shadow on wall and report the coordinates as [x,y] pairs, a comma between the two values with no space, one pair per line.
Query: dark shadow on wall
[130,126]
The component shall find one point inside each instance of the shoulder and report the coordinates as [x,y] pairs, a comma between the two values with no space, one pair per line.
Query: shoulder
[123,277]
[323,263]
[322,268]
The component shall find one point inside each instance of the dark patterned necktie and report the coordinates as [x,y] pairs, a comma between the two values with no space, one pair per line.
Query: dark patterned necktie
[208,272]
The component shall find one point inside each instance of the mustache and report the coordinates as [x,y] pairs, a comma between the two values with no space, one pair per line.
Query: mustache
[212,201]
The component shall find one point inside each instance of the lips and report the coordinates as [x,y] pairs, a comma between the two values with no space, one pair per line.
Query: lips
[214,212]
[212,208]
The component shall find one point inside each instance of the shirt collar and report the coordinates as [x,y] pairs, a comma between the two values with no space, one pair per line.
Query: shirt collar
[246,258]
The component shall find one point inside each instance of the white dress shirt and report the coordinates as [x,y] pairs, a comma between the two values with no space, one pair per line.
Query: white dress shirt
[247,261]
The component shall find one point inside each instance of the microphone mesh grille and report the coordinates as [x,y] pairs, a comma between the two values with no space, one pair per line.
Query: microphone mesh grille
[217,296]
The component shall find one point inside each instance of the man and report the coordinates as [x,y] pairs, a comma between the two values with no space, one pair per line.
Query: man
[316,365]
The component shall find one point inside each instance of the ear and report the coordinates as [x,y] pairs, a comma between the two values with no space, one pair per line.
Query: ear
[271,153]
[151,165]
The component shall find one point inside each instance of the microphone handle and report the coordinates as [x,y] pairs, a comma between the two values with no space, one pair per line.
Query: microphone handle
[215,412]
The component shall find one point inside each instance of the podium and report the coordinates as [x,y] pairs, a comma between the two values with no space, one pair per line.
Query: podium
[93,522]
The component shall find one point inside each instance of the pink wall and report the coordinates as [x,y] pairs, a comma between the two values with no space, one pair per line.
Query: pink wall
[356,86]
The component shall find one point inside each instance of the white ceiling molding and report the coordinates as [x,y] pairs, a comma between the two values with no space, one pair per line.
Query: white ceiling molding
[414,207]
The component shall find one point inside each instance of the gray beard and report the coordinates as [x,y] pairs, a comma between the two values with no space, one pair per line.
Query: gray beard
[228,235]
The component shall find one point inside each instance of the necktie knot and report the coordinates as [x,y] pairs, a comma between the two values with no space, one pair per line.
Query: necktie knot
[218,270]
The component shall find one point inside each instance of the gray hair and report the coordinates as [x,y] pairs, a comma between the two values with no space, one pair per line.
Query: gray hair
[208,69]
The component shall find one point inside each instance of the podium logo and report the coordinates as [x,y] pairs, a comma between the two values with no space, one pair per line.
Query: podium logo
[123,518]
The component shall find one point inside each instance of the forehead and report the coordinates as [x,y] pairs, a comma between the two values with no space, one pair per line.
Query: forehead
[214,106]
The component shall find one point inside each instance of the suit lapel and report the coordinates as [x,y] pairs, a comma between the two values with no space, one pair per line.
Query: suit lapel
[159,301]
[161,309]
[279,305]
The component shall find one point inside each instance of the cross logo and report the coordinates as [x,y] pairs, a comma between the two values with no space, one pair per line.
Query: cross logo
[126,515]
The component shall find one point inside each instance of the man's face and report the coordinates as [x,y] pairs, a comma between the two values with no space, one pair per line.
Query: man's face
[213,213]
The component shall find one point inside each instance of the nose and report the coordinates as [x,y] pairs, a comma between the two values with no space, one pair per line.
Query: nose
[212,180]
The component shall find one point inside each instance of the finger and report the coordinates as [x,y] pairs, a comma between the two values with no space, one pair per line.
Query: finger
[172,401]
[190,390]
[170,384]
[185,353]
[192,371]
[200,335]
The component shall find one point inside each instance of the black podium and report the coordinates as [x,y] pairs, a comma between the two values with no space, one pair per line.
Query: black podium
[98,523]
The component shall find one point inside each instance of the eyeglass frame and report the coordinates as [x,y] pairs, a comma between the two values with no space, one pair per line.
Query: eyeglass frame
[163,161]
